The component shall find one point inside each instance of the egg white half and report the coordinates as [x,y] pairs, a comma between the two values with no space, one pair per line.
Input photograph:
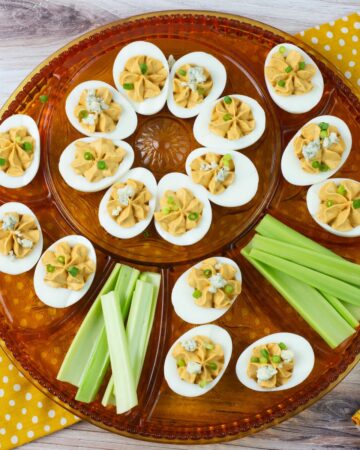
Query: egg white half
[150,105]
[174,181]
[304,360]
[184,303]
[313,205]
[110,225]
[207,138]
[62,297]
[291,166]
[128,119]
[296,104]
[218,75]
[79,182]
[16,266]
[22,120]
[246,180]
[219,336]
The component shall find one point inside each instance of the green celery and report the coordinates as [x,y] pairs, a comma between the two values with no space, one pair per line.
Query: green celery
[81,348]
[342,309]
[327,284]
[328,265]
[125,287]
[354,310]
[307,301]
[124,382]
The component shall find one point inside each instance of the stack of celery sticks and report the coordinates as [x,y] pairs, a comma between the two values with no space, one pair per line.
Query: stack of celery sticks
[321,286]
[116,333]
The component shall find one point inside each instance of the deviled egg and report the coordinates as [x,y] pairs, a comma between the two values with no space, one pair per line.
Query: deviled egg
[21,239]
[141,74]
[128,206]
[207,290]
[197,360]
[232,122]
[230,179]
[183,213]
[65,271]
[95,108]
[19,151]
[317,151]
[334,204]
[195,80]
[293,79]
[92,164]
[276,362]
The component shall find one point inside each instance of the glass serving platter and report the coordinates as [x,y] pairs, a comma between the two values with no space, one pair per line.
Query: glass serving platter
[37,337]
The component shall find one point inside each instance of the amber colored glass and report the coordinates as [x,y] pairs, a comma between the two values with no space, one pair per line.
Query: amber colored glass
[39,336]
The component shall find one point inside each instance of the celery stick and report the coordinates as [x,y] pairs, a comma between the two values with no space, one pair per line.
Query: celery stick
[155,279]
[95,371]
[81,348]
[125,287]
[318,280]
[335,267]
[273,228]
[342,310]
[307,301]
[355,310]
[124,383]
[109,396]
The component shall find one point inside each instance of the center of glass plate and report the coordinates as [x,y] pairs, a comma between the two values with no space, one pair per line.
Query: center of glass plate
[162,144]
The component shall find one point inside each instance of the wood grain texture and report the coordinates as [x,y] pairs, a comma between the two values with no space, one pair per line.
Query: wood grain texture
[29,32]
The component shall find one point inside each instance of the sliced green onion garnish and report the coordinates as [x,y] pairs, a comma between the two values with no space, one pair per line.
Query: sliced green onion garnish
[182,72]
[18,138]
[128,86]
[276,359]
[301,65]
[281,83]
[61,259]
[101,165]
[329,203]
[356,203]
[165,210]
[315,164]
[143,68]
[201,90]
[324,167]
[181,363]
[324,133]
[170,199]
[2,162]
[88,156]
[212,365]
[73,271]
[282,346]
[83,114]
[209,346]
[288,69]
[227,117]
[323,125]
[193,216]
[196,293]
[207,273]
[50,268]
[227,100]
[203,383]
[264,353]
[229,288]
[27,146]
[263,360]
[44,98]
[227,157]
[341,189]
[282,49]
[254,359]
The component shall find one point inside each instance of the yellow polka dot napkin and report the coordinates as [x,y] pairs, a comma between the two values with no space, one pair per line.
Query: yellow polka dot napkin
[27,414]
[339,42]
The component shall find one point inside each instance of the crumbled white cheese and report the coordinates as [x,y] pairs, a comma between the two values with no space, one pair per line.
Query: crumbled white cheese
[216,282]
[218,266]
[95,104]
[206,167]
[26,243]
[9,222]
[264,373]
[190,345]
[329,140]
[222,174]
[196,75]
[89,120]
[124,194]
[193,367]
[311,149]
[287,355]
[116,211]
[171,61]
[18,233]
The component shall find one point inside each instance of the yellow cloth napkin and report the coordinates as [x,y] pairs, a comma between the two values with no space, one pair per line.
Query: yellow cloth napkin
[27,414]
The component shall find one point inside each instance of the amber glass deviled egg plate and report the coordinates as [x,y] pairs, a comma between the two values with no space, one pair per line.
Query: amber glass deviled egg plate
[37,336]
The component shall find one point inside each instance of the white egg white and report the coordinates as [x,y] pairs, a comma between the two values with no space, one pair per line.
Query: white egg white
[79,182]
[296,104]
[110,225]
[22,120]
[245,184]
[219,336]
[184,303]
[218,75]
[128,119]
[304,360]
[150,105]
[16,266]
[175,181]
[207,138]
[62,297]
[313,205]
[290,163]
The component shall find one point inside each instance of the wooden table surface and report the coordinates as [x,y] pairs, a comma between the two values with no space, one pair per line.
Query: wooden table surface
[29,32]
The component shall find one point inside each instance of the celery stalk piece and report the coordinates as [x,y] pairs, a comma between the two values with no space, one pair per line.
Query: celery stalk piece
[124,382]
[307,301]
[95,370]
[342,310]
[325,283]
[81,348]
[338,268]
[155,279]
[109,395]
[273,228]
[125,287]
[354,310]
